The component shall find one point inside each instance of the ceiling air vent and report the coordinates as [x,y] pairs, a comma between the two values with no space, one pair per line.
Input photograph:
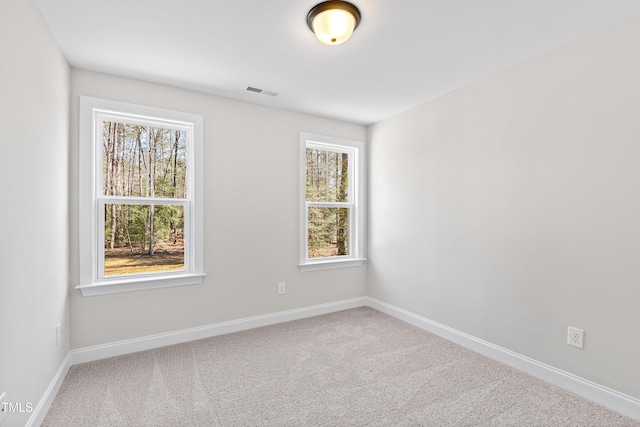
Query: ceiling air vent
[262,91]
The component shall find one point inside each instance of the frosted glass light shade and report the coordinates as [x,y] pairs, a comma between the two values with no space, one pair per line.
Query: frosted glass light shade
[333,22]
[334,26]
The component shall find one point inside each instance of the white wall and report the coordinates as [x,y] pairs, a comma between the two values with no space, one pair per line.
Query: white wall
[251,223]
[510,209]
[34,147]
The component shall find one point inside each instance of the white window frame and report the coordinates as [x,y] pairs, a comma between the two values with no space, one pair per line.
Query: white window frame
[356,203]
[91,200]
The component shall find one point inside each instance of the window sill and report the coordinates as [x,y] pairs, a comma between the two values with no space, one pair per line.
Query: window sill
[327,265]
[138,284]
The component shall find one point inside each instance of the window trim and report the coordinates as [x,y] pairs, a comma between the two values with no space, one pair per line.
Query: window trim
[357,202]
[90,198]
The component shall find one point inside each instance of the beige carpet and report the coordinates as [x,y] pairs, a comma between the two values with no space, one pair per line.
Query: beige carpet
[353,368]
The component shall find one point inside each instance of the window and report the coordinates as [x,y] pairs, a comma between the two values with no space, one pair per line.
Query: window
[140,197]
[332,202]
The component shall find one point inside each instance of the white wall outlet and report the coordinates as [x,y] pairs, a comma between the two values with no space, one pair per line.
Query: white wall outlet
[58,333]
[575,337]
[2,407]
[281,289]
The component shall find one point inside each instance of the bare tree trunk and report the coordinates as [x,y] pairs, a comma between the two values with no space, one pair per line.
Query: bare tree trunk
[126,229]
[152,139]
[343,214]
[113,131]
[151,213]
[132,162]
[175,162]
[141,162]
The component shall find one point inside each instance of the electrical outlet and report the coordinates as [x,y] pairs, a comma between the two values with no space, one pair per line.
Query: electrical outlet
[281,289]
[58,333]
[575,337]
[2,407]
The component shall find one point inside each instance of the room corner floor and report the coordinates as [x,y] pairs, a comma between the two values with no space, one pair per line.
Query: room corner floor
[356,367]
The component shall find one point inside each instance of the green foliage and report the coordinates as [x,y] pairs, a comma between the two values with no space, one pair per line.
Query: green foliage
[327,181]
[141,161]
[328,232]
[327,177]
[133,226]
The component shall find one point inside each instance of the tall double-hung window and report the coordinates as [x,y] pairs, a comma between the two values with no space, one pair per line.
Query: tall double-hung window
[140,197]
[332,202]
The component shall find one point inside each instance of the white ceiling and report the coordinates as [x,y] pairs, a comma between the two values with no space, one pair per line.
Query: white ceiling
[404,52]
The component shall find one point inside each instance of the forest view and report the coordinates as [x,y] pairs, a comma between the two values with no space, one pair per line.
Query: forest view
[142,162]
[327,182]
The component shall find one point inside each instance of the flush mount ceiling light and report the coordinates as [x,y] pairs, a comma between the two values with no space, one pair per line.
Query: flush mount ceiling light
[333,22]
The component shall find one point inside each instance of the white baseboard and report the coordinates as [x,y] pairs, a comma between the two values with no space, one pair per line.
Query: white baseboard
[41,409]
[604,396]
[89,354]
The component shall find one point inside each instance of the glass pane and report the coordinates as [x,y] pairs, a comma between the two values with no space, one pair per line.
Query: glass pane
[328,230]
[142,161]
[327,176]
[143,239]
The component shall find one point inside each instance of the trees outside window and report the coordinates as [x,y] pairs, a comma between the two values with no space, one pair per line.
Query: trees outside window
[332,207]
[143,163]
[141,213]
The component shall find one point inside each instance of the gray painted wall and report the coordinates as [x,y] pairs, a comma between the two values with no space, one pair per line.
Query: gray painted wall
[251,219]
[507,210]
[510,209]
[34,263]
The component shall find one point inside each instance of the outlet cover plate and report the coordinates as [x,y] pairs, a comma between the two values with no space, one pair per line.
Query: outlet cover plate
[575,337]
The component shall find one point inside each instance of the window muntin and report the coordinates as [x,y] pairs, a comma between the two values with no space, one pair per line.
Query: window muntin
[332,208]
[141,218]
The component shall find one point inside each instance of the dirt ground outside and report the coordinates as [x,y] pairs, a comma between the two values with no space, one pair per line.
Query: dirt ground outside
[166,257]
[328,251]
